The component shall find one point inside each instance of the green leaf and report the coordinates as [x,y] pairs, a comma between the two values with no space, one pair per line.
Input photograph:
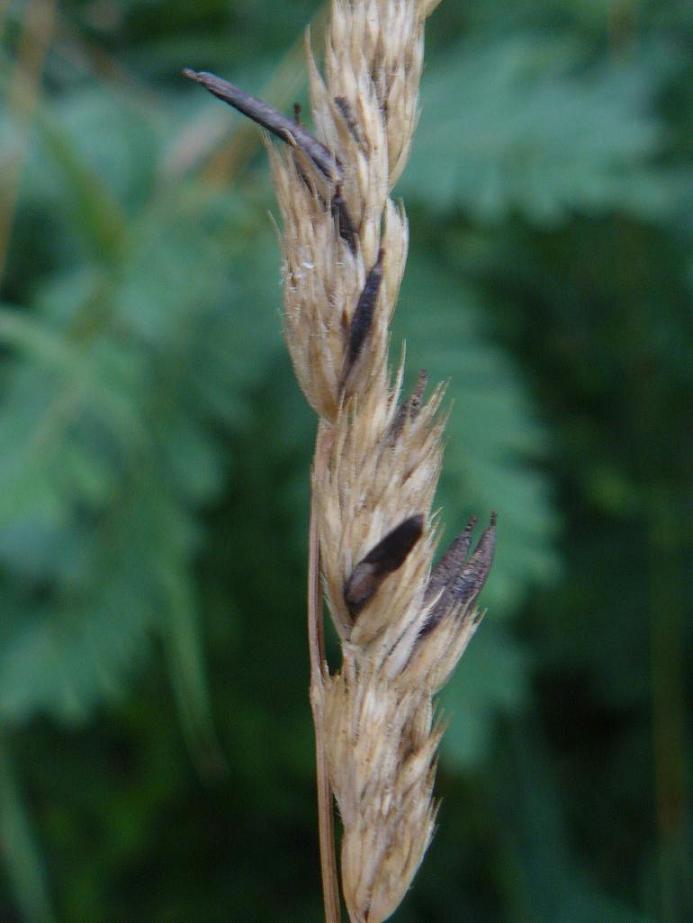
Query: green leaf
[96,212]
[188,675]
[119,386]
[22,860]
[521,123]
[492,677]
[546,882]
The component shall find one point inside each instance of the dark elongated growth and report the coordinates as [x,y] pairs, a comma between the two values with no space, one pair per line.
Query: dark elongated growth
[265,115]
[385,558]
[363,315]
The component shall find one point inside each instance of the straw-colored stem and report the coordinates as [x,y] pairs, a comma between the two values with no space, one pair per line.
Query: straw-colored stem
[318,671]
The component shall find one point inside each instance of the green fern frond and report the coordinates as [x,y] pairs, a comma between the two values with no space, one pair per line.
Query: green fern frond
[522,123]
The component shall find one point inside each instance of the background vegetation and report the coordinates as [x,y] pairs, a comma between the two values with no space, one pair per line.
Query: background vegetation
[155,739]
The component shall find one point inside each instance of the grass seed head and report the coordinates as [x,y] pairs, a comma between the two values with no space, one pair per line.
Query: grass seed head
[403,625]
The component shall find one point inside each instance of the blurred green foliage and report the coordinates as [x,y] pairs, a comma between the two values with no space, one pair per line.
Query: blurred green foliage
[155,740]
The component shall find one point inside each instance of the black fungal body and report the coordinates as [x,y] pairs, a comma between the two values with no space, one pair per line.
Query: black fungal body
[363,315]
[268,117]
[344,223]
[383,559]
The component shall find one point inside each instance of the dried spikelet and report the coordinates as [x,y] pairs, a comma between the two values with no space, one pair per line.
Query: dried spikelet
[403,625]
[382,763]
